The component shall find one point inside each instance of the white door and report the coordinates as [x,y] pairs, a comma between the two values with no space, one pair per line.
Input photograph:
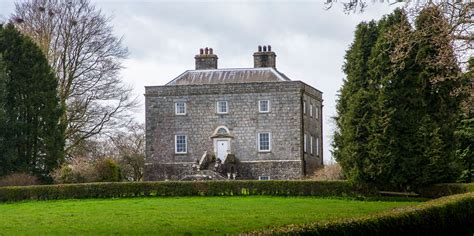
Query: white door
[222,149]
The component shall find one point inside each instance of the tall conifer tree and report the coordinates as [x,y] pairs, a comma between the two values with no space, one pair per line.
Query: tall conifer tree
[33,139]
[399,106]
[441,82]
[354,105]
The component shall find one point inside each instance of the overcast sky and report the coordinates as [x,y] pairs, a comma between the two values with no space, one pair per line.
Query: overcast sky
[164,36]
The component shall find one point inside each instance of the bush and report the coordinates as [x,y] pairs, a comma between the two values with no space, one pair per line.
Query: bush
[452,215]
[185,188]
[328,172]
[18,179]
[108,170]
[440,190]
[80,171]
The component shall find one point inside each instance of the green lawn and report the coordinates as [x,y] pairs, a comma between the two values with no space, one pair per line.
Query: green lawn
[171,216]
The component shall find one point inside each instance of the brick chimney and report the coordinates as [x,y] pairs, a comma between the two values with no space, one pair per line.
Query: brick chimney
[206,59]
[264,57]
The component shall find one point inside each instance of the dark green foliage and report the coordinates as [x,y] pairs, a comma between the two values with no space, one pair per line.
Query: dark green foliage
[465,133]
[441,190]
[4,163]
[354,105]
[32,139]
[452,215]
[108,170]
[185,188]
[399,107]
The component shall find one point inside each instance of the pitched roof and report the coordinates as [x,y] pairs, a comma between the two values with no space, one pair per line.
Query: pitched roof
[223,76]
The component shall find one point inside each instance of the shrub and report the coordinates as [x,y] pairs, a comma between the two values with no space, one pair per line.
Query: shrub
[18,179]
[440,190]
[452,215]
[79,171]
[185,188]
[108,170]
[328,172]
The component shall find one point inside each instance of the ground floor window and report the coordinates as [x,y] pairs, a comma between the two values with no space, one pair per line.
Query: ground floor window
[181,143]
[264,178]
[264,142]
[317,146]
[304,143]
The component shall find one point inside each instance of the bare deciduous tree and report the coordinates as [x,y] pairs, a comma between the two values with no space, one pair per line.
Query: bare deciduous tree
[459,14]
[130,145]
[78,42]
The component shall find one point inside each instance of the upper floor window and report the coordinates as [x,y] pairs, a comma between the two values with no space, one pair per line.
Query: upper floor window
[222,107]
[264,106]
[304,107]
[316,112]
[180,108]
[311,144]
[311,110]
[264,142]
[181,144]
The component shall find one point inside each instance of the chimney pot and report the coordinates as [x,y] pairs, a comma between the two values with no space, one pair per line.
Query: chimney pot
[264,57]
[206,59]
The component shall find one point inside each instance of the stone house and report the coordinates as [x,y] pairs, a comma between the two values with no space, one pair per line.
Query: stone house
[244,123]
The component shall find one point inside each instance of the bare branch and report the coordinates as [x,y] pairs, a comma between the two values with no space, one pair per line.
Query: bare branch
[78,41]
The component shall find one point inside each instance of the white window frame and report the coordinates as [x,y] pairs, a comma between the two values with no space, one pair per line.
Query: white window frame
[304,107]
[317,112]
[269,142]
[260,106]
[311,144]
[317,146]
[176,144]
[226,107]
[311,110]
[176,109]
[304,144]
[264,176]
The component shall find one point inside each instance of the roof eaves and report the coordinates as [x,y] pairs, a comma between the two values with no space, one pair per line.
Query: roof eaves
[177,78]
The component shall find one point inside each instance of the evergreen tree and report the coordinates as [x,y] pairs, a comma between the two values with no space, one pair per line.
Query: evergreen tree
[465,131]
[440,83]
[391,129]
[33,139]
[400,104]
[4,163]
[354,106]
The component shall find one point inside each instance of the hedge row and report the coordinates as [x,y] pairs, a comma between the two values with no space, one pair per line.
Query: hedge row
[184,188]
[441,190]
[452,215]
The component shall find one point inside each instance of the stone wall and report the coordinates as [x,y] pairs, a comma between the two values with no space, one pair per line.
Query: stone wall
[312,126]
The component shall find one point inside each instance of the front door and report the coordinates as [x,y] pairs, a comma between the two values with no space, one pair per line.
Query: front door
[222,149]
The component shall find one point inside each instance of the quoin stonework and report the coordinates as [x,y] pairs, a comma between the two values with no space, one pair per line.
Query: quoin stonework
[244,123]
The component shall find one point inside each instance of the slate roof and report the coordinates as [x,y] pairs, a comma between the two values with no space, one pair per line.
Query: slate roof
[223,76]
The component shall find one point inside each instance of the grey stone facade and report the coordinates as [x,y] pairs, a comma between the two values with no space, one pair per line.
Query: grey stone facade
[286,123]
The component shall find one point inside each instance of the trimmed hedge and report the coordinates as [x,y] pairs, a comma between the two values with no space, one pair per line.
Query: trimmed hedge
[452,215]
[440,190]
[184,188]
